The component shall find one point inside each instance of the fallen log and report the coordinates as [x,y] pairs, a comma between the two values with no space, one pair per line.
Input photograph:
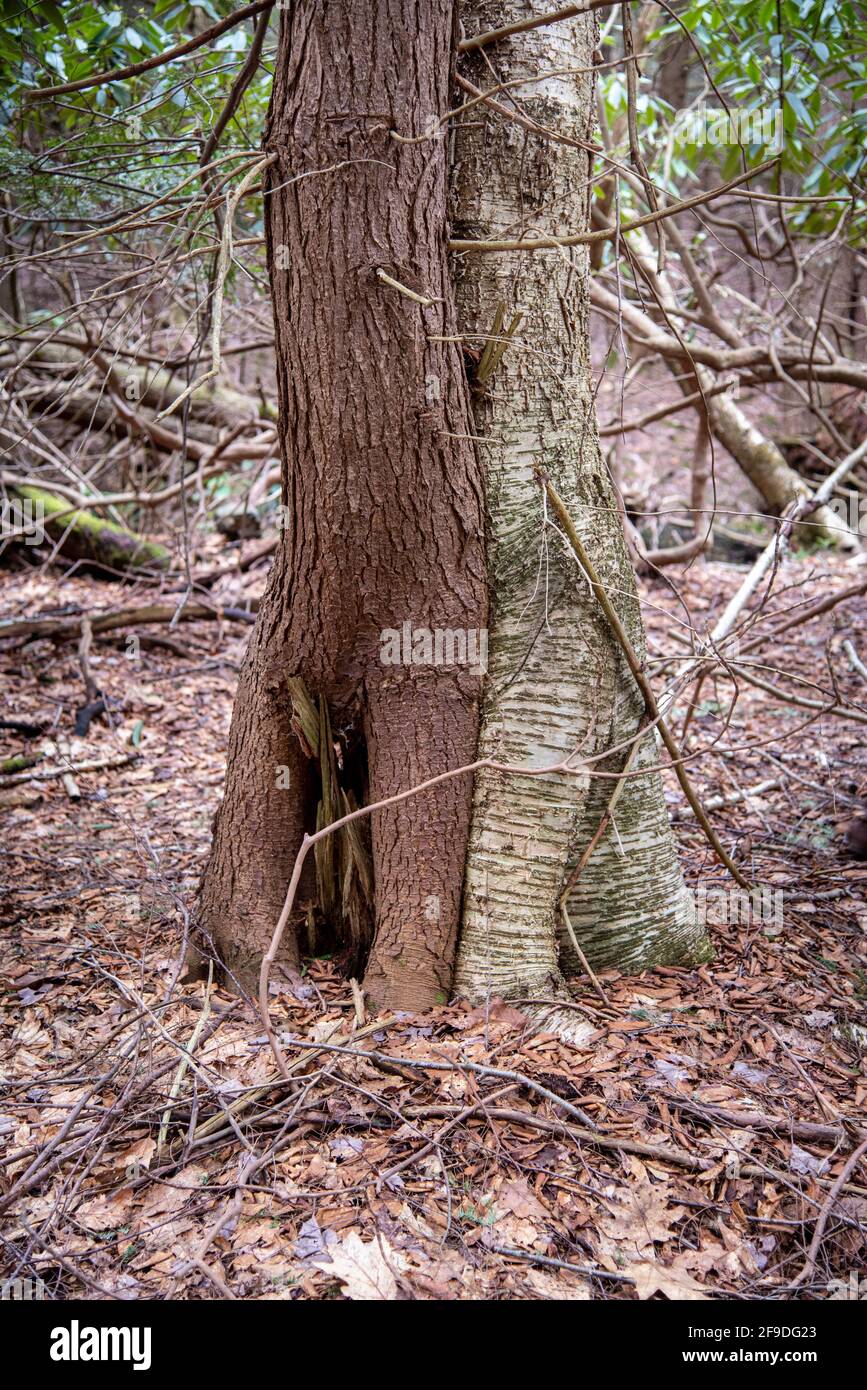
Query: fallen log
[19,763]
[715,803]
[81,535]
[122,617]
[25,727]
[215,403]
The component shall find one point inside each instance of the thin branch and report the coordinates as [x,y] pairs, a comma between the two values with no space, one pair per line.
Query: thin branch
[536,22]
[239,87]
[608,234]
[848,1167]
[775,549]
[641,680]
[160,60]
[222,270]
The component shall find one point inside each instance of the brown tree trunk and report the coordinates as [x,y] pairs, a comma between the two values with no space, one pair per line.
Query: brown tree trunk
[381,488]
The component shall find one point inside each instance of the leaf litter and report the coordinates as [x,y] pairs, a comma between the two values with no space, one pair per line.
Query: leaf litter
[727,1099]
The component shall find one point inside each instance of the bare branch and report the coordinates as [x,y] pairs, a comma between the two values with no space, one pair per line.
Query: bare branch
[160,60]
[590,238]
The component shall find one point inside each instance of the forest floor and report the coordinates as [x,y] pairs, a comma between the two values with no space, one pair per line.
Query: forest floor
[699,1145]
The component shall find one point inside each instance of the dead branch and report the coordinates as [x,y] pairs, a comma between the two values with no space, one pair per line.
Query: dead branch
[123,617]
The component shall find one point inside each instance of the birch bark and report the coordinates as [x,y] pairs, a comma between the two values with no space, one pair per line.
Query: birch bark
[557,681]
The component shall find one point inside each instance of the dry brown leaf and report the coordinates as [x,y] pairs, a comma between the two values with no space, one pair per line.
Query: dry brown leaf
[732,1263]
[674,1282]
[514,1230]
[367,1269]
[105,1213]
[496,1016]
[516,1197]
[138,1154]
[558,1285]
[642,1218]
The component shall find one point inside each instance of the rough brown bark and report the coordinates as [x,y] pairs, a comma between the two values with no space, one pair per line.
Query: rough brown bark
[382,491]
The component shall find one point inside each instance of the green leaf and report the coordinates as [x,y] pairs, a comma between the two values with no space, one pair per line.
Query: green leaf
[54,59]
[800,110]
[53,13]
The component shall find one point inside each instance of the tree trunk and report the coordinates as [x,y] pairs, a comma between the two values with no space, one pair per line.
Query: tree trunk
[382,496]
[557,680]
[762,462]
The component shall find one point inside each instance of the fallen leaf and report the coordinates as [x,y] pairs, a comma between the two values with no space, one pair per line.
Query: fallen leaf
[676,1284]
[366,1268]
[559,1285]
[642,1218]
[516,1197]
[105,1213]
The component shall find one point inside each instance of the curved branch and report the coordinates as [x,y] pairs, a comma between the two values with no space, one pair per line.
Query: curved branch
[148,64]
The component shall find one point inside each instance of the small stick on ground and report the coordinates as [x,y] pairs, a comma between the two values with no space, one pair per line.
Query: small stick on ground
[827,1206]
[185,1061]
[854,660]
[92,765]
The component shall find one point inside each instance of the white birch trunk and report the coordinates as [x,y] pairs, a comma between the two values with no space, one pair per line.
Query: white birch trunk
[557,681]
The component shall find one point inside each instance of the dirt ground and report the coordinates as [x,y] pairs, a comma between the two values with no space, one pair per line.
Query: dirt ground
[691,1149]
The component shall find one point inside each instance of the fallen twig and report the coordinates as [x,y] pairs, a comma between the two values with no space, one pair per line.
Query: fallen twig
[91,765]
[808,1130]
[185,1061]
[429,1064]
[827,1206]
[715,803]
[123,617]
